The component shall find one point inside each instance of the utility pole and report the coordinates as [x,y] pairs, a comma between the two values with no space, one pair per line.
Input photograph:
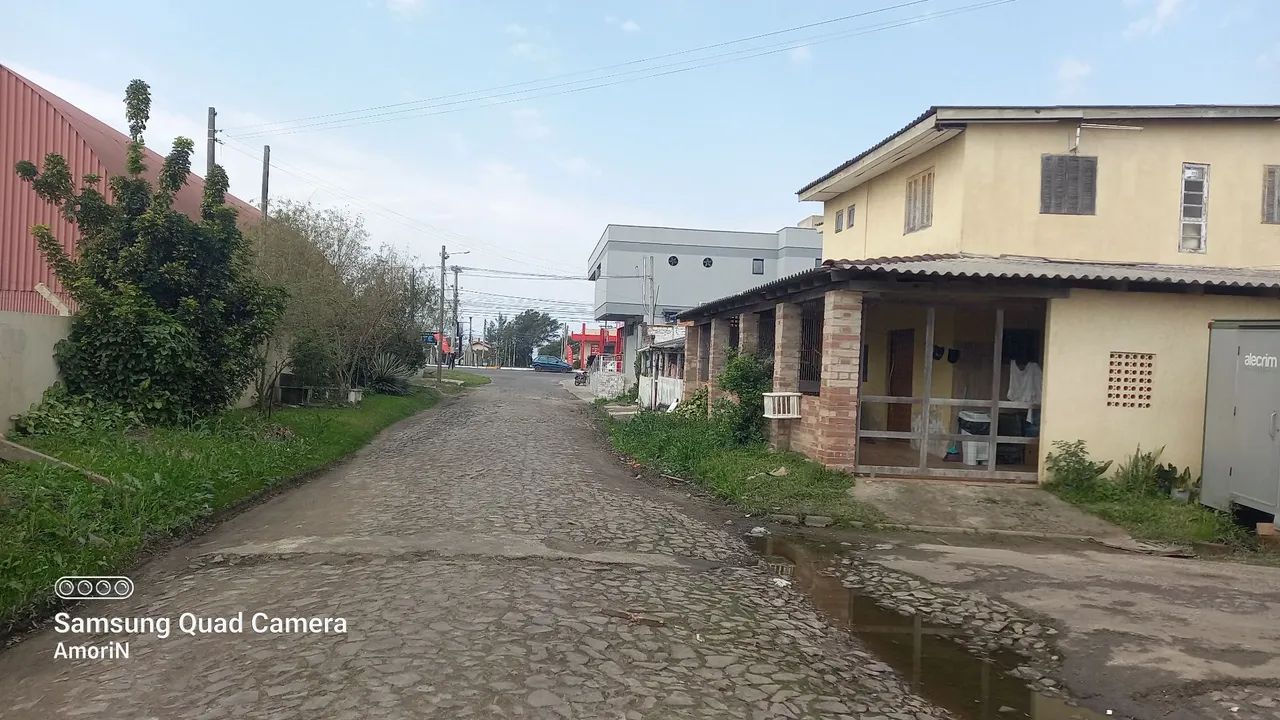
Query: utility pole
[470,340]
[266,177]
[457,331]
[444,256]
[209,150]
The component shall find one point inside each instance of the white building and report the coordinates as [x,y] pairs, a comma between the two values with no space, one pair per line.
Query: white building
[646,275]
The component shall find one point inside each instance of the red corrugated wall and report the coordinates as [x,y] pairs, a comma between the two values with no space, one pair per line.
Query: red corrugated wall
[29,129]
[33,123]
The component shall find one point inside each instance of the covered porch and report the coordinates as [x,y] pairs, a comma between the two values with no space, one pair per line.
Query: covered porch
[935,377]
[661,380]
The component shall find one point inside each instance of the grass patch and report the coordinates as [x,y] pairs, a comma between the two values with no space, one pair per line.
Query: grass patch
[1137,498]
[53,522]
[1156,517]
[469,379]
[697,449]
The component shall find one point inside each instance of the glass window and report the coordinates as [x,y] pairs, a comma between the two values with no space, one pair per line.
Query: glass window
[848,216]
[839,220]
[757,266]
[1195,207]
[919,205]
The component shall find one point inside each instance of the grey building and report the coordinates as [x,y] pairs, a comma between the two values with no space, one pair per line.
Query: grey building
[646,275]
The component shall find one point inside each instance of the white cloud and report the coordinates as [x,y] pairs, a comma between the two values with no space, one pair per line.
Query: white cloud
[515,30]
[1269,59]
[405,7]
[578,165]
[800,55]
[529,123]
[531,51]
[1156,15]
[1072,74]
[625,25]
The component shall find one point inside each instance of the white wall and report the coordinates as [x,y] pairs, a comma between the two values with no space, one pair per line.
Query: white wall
[623,252]
[26,360]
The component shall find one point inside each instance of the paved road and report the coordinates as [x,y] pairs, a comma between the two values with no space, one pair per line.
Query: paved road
[489,560]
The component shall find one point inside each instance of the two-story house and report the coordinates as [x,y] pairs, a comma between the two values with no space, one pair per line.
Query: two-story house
[1000,278]
[646,275]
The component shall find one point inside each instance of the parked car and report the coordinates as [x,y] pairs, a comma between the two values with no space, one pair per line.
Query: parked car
[549,363]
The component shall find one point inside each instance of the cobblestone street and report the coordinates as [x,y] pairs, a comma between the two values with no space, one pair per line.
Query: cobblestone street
[492,560]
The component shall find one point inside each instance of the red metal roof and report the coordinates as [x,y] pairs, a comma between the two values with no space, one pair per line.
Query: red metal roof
[33,123]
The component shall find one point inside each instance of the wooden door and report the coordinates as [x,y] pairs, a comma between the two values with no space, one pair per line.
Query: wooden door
[902,351]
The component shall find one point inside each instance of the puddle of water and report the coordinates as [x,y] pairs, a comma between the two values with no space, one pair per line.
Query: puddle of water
[936,667]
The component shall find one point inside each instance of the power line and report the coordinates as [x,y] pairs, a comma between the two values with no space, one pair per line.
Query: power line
[388,213]
[642,74]
[582,303]
[589,71]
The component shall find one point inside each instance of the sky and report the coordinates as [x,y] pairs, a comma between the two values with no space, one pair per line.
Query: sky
[506,139]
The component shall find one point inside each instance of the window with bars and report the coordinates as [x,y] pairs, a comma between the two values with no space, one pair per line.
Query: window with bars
[1195,208]
[919,205]
[811,347]
[735,333]
[1271,195]
[1068,184]
[767,329]
[704,352]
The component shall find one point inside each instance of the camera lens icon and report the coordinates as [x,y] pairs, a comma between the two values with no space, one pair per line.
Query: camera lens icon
[93,587]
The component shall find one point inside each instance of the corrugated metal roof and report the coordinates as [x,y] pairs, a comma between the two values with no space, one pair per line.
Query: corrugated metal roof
[1007,267]
[1022,267]
[33,123]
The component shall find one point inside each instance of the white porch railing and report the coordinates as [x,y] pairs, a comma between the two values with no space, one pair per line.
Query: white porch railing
[782,405]
[660,391]
[669,390]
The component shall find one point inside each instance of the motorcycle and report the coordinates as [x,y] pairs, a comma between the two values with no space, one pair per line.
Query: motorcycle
[580,377]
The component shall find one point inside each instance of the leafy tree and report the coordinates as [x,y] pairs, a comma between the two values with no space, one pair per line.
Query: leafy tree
[169,311]
[348,305]
[521,334]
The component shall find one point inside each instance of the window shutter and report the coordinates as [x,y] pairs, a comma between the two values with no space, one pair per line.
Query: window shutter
[1068,184]
[1088,185]
[1046,183]
[1271,195]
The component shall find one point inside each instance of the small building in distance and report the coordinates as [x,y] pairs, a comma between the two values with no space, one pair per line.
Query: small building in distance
[646,275]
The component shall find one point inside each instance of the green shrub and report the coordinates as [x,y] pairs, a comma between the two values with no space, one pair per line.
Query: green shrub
[751,477]
[745,379]
[1137,497]
[1140,473]
[58,413]
[387,374]
[169,313]
[695,406]
[1071,468]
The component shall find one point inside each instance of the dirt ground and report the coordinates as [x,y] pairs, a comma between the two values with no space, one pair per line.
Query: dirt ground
[1140,635]
[980,506]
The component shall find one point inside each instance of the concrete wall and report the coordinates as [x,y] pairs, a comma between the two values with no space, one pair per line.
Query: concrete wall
[623,250]
[26,360]
[1082,331]
[879,222]
[1139,192]
[987,196]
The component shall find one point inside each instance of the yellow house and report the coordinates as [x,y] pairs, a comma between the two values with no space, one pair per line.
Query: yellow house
[1000,278]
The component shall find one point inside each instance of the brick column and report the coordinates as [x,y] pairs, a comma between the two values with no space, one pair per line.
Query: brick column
[841,374]
[748,333]
[719,353]
[692,361]
[786,366]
